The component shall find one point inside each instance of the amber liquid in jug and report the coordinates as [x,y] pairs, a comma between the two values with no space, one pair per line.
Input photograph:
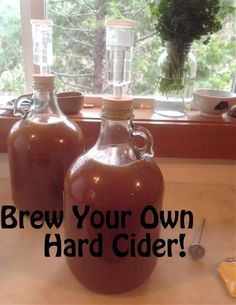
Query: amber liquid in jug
[41,148]
[113,176]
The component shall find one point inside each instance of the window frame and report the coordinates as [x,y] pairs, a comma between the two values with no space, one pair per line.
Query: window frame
[29,9]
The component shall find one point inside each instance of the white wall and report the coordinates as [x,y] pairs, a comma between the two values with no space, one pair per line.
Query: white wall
[178,170]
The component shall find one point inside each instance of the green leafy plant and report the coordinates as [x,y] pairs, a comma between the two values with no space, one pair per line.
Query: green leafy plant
[180,22]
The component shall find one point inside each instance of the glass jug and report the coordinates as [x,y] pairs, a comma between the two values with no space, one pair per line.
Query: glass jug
[41,147]
[115,175]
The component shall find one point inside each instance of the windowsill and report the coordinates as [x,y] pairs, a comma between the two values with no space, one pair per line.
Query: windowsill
[192,137]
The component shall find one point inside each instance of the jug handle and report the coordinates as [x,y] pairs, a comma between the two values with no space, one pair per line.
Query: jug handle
[20,110]
[147,149]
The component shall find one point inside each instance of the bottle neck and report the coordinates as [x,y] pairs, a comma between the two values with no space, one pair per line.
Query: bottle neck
[115,132]
[116,125]
[115,144]
[45,102]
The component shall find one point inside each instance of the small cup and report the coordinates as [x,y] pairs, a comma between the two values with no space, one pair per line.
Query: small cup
[70,102]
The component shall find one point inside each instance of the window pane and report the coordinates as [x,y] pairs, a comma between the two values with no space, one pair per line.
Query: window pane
[12,79]
[79,47]
[217,60]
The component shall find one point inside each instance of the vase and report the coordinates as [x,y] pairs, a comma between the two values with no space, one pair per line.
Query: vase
[176,71]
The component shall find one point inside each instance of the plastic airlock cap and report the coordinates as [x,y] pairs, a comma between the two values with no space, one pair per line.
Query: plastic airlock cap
[45,82]
[120,33]
[42,22]
[120,23]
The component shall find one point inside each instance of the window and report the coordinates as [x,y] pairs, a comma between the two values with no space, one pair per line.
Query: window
[79,45]
[12,78]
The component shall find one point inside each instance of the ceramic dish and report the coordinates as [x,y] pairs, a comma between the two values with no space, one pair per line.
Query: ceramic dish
[212,103]
[70,102]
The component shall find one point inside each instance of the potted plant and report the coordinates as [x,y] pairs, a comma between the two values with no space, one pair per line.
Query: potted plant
[179,23]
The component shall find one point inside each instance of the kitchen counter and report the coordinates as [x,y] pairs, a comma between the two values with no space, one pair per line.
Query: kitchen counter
[27,277]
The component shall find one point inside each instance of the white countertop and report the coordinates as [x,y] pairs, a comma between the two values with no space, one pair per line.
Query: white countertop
[27,277]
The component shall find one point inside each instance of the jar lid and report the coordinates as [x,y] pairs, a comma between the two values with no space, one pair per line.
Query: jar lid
[43,82]
[42,22]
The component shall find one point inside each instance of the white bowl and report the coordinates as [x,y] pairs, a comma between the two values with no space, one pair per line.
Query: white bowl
[212,103]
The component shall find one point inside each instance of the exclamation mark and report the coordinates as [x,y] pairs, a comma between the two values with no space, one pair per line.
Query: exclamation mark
[182,253]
